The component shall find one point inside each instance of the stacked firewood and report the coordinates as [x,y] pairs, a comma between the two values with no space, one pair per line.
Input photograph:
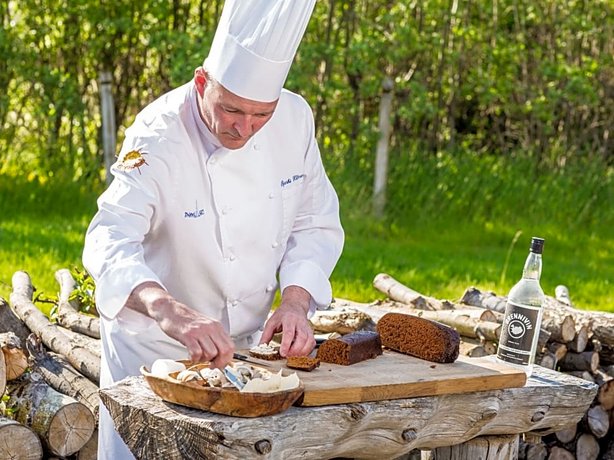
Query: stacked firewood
[49,376]
[577,342]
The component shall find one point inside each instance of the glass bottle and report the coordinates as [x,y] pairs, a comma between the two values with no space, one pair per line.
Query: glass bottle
[523,314]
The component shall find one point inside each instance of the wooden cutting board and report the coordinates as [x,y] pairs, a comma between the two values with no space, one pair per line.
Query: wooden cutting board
[394,375]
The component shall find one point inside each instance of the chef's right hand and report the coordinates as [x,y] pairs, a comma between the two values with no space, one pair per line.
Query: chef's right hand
[205,338]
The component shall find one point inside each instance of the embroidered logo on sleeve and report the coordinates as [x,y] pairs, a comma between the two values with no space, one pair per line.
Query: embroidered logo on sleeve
[131,160]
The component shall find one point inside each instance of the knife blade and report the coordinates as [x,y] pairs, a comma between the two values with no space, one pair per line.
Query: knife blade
[247,359]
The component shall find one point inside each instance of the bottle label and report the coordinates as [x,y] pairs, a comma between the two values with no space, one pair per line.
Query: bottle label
[517,333]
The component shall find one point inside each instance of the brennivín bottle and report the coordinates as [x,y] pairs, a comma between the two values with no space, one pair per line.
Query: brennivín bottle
[523,314]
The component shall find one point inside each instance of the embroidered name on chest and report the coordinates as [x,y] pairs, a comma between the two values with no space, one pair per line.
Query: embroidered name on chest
[289,180]
[195,214]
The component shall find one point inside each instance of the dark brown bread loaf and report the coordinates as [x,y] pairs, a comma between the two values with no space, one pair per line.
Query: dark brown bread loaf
[351,348]
[419,337]
[302,363]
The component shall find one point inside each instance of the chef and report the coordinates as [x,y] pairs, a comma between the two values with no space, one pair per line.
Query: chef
[219,199]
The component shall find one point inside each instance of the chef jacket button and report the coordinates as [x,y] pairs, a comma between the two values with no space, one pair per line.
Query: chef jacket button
[212,161]
[225,210]
[271,195]
[256,147]
[234,303]
[232,257]
[274,244]
[270,288]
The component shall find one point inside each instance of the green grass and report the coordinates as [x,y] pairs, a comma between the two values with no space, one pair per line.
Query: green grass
[448,229]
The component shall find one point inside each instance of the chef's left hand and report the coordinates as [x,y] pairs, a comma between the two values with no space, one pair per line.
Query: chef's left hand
[290,318]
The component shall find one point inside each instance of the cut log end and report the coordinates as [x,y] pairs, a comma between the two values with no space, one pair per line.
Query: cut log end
[16,362]
[71,428]
[18,442]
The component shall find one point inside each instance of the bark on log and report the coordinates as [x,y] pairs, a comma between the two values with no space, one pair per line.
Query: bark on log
[558,349]
[68,315]
[82,340]
[61,376]
[476,348]
[606,394]
[14,356]
[547,360]
[342,321]
[401,293]
[483,447]
[81,358]
[561,293]
[587,447]
[10,322]
[585,361]
[18,442]
[580,340]
[584,375]
[557,320]
[63,424]
[464,321]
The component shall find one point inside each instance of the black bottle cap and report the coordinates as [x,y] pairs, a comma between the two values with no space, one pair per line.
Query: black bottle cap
[537,245]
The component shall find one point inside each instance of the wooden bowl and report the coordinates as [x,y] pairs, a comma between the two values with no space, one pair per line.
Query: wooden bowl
[226,401]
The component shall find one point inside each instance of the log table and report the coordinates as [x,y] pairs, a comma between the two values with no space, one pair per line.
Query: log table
[483,424]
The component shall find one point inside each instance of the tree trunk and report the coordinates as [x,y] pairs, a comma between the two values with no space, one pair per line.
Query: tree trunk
[568,434]
[63,424]
[68,315]
[18,442]
[81,358]
[61,376]
[14,357]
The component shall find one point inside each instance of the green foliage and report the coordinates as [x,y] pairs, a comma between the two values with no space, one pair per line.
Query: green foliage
[502,118]
[84,293]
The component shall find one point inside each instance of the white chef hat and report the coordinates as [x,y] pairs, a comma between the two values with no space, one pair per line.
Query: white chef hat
[254,45]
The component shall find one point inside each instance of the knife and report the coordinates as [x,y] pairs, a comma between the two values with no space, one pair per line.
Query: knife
[247,359]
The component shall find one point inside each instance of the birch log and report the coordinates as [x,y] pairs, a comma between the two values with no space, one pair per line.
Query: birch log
[63,424]
[558,322]
[81,358]
[61,376]
[10,322]
[401,293]
[18,442]
[14,356]
[68,315]
[465,321]
[343,320]
[82,340]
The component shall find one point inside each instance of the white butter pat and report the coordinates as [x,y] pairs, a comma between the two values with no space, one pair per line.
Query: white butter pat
[276,382]
[164,367]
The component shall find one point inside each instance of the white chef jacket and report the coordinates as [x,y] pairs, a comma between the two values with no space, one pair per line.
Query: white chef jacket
[217,228]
